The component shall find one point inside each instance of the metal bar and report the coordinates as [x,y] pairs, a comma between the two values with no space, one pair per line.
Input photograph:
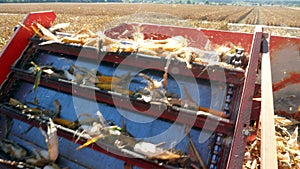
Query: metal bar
[18,42]
[256,104]
[170,114]
[268,139]
[293,78]
[147,62]
[236,156]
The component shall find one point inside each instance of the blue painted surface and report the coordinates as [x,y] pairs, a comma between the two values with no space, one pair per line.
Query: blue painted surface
[205,93]
[69,156]
[152,129]
[141,126]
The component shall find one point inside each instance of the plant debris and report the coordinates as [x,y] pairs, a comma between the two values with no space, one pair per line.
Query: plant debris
[287,142]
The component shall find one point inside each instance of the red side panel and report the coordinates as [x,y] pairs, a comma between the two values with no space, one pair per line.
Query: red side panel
[223,37]
[200,38]
[20,40]
[285,64]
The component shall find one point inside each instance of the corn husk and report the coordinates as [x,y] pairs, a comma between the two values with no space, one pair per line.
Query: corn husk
[288,150]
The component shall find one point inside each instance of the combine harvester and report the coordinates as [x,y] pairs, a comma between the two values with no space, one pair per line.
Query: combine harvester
[162,97]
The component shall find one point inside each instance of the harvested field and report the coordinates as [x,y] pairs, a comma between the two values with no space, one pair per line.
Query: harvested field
[103,15]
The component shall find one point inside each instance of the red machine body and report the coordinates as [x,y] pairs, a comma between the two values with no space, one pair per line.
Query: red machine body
[285,58]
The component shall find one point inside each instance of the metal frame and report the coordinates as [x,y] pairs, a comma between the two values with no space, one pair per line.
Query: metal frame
[146,62]
[21,38]
[18,42]
[69,135]
[237,151]
[170,114]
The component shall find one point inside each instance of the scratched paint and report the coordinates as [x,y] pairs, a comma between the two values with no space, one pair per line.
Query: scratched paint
[285,61]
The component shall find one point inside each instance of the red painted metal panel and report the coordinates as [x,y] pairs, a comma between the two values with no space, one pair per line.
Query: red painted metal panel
[20,40]
[285,61]
[204,39]
[200,38]
[222,37]
[238,145]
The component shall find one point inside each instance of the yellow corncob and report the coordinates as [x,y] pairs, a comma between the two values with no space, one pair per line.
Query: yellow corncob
[108,79]
[36,31]
[113,87]
[125,91]
[66,123]
[105,86]
[166,156]
[72,40]
[92,140]
[212,111]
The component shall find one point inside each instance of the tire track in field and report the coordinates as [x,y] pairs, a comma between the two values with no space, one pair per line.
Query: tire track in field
[259,18]
[244,18]
[253,17]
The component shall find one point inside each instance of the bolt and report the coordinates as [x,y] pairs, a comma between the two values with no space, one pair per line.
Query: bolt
[230,58]
[228,98]
[214,159]
[226,106]
[230,90]
[246,132]
[239,50]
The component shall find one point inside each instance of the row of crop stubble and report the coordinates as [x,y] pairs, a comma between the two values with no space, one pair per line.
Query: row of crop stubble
[100,15]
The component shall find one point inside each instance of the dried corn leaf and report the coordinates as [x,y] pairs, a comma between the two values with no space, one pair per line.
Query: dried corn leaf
[293,139]
[288,150]
[59,26]
[47,34]
[254,164]
[284,121]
